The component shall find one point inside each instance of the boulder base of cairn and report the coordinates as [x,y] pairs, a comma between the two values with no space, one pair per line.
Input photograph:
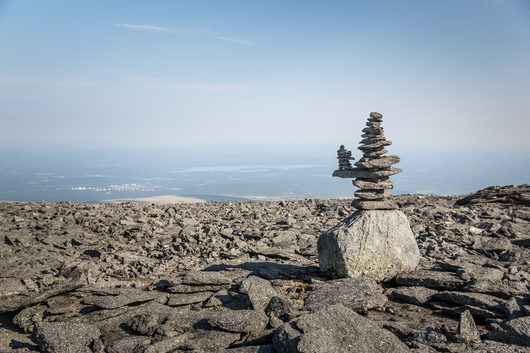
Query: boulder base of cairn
[376,244]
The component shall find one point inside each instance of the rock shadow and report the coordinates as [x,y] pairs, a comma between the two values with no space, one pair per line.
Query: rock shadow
[272,270]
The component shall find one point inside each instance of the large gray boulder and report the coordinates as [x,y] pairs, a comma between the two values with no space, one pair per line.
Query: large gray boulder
[376,244]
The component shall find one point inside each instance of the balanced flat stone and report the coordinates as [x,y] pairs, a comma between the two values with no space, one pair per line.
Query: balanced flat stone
[372,194]
[373,130]
[375,153]
[374,205]
[376,115]
[381,162]
[364,173]
[369,138]
[375,145]
[383,183]
[373,244]
[374,124]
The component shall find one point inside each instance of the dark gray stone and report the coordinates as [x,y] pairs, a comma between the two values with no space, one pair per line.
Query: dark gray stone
[144,323]
[335,328]
[467,330]
[431,279]
[479,300]
[365,173]
[65,337]
[259,291]
[414,295]
[516,331]
[239,320]
[502,289]
[188,298]
[281,307]
[358,294]
[126,297]
[18,302]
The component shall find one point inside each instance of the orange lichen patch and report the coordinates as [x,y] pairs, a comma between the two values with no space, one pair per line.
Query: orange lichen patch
[296,291]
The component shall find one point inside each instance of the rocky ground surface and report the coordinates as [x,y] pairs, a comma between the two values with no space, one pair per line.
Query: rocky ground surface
[244,277]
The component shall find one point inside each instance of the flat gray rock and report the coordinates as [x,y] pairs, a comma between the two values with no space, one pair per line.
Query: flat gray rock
[502,289]
[479,300]
[373,244]
[18,302]
[258,290]
[188,298]
[414,295]
[126,297]
[358,294]
[239,320]
[249,349]
[514,331]
[374,205]
[204,278]
[431,279]
[65,337]
[335,329]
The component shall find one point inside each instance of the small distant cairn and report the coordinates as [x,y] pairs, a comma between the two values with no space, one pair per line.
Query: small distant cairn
[344,157]
[373,169]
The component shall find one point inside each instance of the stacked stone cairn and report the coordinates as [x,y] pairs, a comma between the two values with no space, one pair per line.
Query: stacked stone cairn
[374,168]
[376,241]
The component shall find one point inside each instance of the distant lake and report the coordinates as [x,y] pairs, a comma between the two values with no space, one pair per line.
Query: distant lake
[236,173]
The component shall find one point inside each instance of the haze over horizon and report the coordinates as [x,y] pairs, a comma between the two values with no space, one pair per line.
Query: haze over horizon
[182,73]
[238,98]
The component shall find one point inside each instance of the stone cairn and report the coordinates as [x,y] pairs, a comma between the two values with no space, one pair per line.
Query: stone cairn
[373,169]
[344,157]
[376,241]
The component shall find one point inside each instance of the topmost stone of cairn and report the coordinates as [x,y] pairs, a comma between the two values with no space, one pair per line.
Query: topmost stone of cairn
[373,170]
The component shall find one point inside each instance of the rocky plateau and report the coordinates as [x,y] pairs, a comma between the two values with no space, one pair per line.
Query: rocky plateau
[244,278]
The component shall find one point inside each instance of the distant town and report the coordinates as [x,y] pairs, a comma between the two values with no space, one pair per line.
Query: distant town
[120,187]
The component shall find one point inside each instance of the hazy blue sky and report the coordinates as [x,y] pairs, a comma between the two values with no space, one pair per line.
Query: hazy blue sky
[167,73]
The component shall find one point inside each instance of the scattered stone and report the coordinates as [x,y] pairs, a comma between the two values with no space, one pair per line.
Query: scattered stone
[281,307]
[431,279]
[516,331]
[65,337]
[335,328]
[185,299]
[479,300]
[358,294]
[467,330]
[144,323]
[414,295]
[497,288]
[259,291]
[126,297]
[239,320]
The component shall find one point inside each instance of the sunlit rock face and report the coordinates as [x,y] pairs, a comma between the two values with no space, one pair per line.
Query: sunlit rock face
[375,244]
